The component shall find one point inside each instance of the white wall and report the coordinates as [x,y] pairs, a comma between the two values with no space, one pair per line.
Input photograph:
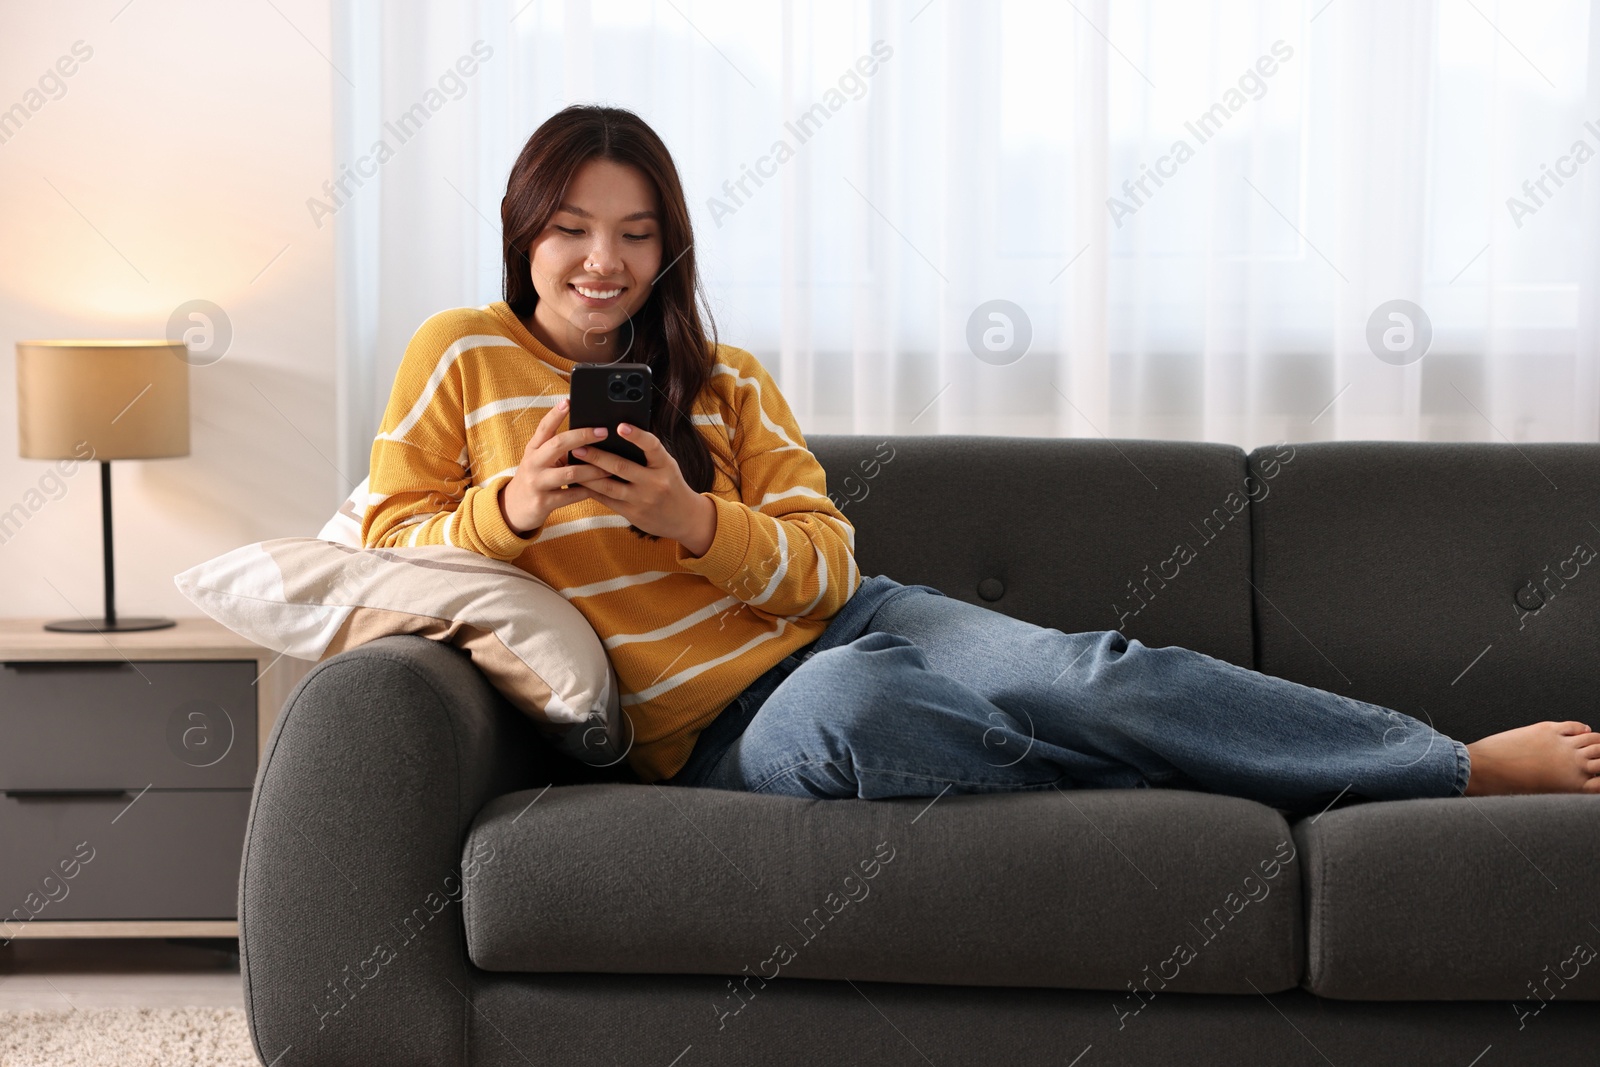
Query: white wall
[186,144]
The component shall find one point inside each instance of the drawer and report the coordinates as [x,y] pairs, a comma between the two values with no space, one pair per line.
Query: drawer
[111,724]
[167,855]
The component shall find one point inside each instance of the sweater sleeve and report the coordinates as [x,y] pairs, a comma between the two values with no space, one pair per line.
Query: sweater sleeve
[783,548]
[418,491]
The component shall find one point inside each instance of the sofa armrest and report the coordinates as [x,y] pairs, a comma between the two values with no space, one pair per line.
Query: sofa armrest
[350,933]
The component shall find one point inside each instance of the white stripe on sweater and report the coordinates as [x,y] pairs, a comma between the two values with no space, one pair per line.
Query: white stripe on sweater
[650,693]
[497,475]
[844,527]
[674,627]
[822,582]
[781,571]
[712,420]
[446,360]
[799,490]
[779,431]
[575,526]
[611,585]
[510,403]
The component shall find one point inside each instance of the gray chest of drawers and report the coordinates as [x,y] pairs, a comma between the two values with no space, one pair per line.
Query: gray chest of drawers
[126,763]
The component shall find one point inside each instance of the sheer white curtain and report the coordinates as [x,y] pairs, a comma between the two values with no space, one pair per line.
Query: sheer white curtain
[1191,209]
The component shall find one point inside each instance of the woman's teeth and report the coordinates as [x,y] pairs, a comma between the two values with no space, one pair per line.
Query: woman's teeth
[597,294]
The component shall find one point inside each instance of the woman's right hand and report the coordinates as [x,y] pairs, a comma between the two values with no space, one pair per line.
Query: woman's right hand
[535,490]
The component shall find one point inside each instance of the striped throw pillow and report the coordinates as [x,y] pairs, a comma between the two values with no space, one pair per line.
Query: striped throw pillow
[312,598]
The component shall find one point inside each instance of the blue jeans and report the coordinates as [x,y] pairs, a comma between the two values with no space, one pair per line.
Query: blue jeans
[909,692]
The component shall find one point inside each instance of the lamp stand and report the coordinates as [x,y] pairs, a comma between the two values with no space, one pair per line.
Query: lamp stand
[109,623]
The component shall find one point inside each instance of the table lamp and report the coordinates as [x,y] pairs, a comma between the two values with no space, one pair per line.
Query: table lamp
[124,400]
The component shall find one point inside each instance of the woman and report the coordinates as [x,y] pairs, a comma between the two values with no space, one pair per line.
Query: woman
[722,581]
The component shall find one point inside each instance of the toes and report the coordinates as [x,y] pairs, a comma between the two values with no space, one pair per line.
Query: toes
[1571,728]
[1592,785]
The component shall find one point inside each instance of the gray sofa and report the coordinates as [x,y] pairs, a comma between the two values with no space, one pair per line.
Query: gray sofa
[425,882]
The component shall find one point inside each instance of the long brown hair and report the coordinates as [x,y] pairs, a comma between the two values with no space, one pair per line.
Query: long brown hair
[668,330]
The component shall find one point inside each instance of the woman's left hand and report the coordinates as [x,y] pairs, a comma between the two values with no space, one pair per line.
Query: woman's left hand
[654,497]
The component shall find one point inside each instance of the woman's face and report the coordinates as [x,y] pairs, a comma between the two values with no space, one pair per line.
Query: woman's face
[596,259]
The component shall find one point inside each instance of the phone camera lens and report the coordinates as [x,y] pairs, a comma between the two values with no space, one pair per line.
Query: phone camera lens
[635,394]
[616,388]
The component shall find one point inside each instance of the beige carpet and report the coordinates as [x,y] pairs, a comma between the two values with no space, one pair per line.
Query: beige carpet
[126,1037]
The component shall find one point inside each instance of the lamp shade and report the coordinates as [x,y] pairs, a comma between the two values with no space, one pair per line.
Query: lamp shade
[126,399]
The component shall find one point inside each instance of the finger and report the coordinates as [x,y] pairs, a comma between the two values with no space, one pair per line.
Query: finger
[576,474]
[609,488]
[584,494]
[606,461]
[556,449]
[546,428]
[568,496]
[647,442]
[583,435]
[611,504]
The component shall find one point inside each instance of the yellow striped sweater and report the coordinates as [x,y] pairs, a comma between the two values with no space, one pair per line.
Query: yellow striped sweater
[685,634]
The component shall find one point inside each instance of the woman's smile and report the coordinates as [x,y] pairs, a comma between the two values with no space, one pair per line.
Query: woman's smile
[596,296]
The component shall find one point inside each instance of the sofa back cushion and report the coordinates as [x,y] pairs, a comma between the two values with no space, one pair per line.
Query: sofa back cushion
[1458,583]
[1147,537]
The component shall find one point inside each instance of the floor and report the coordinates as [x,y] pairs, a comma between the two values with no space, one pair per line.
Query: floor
[122,973]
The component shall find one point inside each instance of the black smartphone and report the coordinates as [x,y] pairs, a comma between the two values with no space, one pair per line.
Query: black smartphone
[604,394]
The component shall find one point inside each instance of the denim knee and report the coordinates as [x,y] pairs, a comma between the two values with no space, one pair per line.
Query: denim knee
[837,687]
[860,666]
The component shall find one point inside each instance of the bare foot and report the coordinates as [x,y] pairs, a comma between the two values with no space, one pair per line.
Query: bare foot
[1545,757]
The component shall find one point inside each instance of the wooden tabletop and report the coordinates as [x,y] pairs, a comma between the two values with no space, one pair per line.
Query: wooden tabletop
[194,637]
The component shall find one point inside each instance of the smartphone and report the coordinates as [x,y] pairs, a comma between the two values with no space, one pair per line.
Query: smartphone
[604,394]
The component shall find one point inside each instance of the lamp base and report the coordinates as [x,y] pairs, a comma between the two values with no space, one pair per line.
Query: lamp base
[123,624]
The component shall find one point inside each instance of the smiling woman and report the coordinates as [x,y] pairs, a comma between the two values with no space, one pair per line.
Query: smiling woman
[700,569]
[594,202]
[750,653]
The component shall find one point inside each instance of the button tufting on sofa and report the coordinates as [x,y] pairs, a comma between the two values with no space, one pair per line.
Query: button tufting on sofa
[426,881]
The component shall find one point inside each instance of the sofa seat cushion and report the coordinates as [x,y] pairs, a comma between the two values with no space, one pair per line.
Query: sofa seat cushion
[1140,891]
[1457,898]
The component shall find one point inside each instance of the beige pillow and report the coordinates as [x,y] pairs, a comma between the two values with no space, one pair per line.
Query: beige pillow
[345,526]
[312,598]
